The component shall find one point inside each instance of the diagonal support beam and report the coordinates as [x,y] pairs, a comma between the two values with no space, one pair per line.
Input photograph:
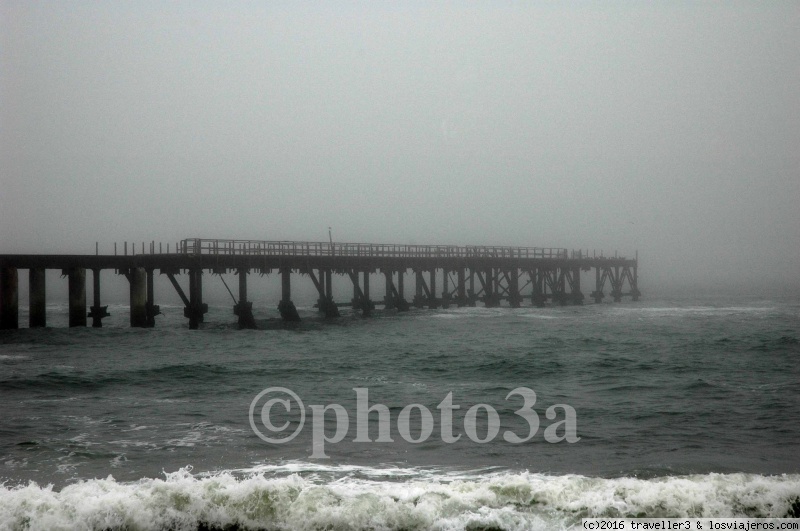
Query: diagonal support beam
[178,288]
[360,299]
[317,284]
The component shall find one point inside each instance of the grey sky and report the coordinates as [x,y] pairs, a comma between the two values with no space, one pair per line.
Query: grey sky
[671,127]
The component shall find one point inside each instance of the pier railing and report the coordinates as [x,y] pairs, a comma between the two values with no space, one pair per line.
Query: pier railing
[201,246]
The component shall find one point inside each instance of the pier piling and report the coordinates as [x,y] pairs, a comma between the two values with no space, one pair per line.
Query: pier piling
[575,284]
[244,308]
[319,283]
[137,278]
[472,295]
[9,298]
[389,297]
[97,312]
[77,296]
[196,309]
[597,294]
[367,304]
[491,298]
[419,300]
[286,306]
[331,309]
[514,298]
[151,309]
[325,302]
[616,284]
[37,298]
[433,302]
[445,290]
[537,296]
[360,299]
[561,283]
[461,297]
[400,298]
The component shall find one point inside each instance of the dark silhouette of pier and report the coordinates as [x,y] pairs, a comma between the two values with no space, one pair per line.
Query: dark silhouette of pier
[443,276]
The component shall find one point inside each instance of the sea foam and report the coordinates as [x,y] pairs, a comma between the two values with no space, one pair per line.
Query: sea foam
[357,500]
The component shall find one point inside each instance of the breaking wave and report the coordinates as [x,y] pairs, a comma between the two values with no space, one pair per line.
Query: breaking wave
[313,498]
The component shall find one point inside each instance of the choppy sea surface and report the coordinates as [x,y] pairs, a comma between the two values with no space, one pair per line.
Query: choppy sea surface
[683,407]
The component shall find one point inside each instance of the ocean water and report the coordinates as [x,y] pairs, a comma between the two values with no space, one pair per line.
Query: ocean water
[682,408]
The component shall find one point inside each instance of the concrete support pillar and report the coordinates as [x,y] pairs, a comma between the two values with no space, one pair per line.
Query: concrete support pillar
[562,286]
[37,298]
[361,296]
[537,280]
[461,298]
[97,312]
[286,284]
[9,298]
[402,304]
[321,301]
[367,304]
[329,284]
[635,293]
[490,300]
[286,306]
[328,305]
[445,289]
[77,297]
[388,299]
[577,294]
[199,287]
[472,298]
[138,297]
[242,273]
[597,294]
[244,308]
[419,299]
[514,297]
[196,308]
[151,308]
[432,301]
[543,285]
[195,299]
[356,301]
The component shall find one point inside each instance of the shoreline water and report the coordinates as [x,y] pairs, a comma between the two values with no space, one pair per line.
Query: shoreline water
[675,400]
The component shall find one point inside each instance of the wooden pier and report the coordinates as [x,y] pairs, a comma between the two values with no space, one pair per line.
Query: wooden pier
[443,276]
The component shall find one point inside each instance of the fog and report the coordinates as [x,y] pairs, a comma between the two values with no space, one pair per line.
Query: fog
[671,128]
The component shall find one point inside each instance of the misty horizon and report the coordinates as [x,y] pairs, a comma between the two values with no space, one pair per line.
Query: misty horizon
[670,129]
